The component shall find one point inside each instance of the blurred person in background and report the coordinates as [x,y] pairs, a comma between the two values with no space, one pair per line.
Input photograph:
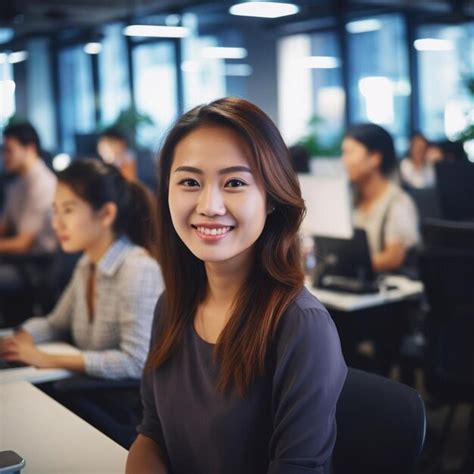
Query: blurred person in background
[382,208]
[416,169]
[113,148]
[25,223]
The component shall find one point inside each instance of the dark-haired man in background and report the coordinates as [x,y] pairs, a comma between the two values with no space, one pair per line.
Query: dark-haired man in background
[25,223]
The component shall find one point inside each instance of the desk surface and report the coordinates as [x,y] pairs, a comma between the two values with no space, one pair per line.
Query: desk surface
[34,375]
[404,288]
[51,438]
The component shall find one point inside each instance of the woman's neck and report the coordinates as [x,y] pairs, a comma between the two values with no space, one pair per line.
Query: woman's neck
[100,246]
[225,279]
[372,188]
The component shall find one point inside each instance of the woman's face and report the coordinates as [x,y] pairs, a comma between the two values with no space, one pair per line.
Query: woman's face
[217,204]
[77,226]
[359,162]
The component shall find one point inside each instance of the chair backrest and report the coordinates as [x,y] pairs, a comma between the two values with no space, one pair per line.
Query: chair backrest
[455,182]
[381,426]
[426,201]
[447,271]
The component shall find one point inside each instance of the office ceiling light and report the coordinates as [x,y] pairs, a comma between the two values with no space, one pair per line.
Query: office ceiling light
[155,31]
[364,26]
[433,44]
[264,9]
[321,62]
[93,48]
[17,57]
[219,52]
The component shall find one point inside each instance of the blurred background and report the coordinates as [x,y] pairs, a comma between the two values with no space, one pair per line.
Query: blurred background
[73,68]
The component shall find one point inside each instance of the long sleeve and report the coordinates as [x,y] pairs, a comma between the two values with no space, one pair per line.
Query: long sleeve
[139,292]
[308,378]
[57,324]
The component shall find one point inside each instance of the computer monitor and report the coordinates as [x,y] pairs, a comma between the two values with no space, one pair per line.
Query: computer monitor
[455,182]
[328,206]
[345,264]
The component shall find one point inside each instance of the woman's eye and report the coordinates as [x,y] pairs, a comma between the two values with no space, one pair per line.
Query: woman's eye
[189,183]
[235,183]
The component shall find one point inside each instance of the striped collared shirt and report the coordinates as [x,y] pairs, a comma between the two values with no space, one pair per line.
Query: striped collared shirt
[115,343]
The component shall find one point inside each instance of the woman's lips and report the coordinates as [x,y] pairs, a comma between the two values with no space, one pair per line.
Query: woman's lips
[212,232]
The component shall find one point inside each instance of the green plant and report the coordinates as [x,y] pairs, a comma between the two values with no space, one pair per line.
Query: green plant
[313,143]
[128,121]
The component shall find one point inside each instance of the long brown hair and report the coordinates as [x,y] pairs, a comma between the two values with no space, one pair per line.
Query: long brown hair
[277,273]
[97,183]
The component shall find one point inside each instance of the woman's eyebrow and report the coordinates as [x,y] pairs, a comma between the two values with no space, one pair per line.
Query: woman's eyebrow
[230,169]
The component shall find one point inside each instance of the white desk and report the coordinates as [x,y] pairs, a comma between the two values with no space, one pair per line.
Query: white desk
[51,438]
[405,288]
[34,375]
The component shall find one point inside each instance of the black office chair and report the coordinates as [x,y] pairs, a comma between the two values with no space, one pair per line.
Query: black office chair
[380,426]
[112,406]
[447,271]
[426,202]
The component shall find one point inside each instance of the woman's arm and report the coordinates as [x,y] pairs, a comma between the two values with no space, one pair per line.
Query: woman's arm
[21,348]
[145,457]
[57,324]
[391,258]
[308,378]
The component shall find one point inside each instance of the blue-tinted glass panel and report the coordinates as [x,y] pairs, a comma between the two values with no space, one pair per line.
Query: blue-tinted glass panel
[446,105]
[155,89]
[378,74]
[7,90]
[76,96]
[113,74]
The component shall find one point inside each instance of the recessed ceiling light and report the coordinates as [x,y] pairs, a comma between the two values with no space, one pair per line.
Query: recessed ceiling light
[219,52]
[432,44]
[364,26]
[264,9]
[93,48]
[321,62]
[17,57]
[155,31]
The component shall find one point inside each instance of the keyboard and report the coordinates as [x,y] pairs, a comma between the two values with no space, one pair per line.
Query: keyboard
[347,285]
[5,364]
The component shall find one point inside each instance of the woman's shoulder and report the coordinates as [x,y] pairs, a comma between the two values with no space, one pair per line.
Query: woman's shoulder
[305,316]
[138,257]
[139,269]
[399,197]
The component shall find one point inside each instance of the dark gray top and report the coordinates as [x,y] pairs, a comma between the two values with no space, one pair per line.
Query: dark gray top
[286,423]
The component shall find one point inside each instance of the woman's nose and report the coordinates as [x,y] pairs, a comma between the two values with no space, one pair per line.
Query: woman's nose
[211,202]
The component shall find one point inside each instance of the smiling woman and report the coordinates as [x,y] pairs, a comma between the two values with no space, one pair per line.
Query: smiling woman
[245,366]
[217,206]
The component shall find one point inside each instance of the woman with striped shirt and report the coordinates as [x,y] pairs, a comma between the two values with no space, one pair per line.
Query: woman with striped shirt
[107,308]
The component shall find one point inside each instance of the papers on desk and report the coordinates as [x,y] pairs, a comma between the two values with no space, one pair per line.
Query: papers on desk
[34,375]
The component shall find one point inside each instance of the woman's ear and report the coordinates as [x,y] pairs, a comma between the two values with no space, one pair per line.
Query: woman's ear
[108,214]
